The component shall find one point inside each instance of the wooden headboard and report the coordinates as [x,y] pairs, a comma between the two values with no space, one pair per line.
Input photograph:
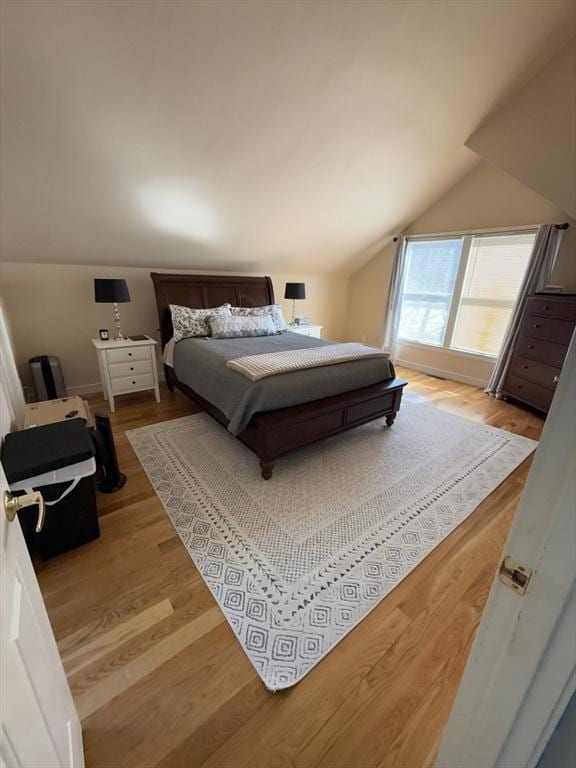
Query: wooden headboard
[204,291]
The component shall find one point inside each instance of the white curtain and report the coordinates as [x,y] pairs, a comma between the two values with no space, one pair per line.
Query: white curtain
[392,309]
[537,275]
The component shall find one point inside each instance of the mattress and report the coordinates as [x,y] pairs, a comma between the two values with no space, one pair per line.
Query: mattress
[200,363]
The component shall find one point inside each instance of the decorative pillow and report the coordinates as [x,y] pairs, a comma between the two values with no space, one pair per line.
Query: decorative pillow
[224,327]
[274,310]
[194,322]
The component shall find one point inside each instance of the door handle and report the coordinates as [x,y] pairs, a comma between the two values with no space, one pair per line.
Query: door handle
[12,504]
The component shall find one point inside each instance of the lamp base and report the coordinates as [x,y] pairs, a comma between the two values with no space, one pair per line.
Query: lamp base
[118,336]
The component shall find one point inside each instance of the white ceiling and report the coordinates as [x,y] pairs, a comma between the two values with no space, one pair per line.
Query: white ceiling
[248,136]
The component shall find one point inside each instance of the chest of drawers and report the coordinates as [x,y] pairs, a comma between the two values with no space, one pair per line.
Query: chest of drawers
[546,328]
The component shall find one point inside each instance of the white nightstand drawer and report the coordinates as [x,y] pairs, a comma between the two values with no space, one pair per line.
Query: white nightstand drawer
[132,383]
[129,369]
[128,354]
[306,330]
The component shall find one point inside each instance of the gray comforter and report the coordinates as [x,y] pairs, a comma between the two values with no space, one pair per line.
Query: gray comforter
[201,364]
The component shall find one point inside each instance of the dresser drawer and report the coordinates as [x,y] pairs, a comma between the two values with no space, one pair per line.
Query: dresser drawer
[132,383]
[534,394]
[547,375]
[129,369]
[543,351]
[547,328]
[128,354]
[550,307]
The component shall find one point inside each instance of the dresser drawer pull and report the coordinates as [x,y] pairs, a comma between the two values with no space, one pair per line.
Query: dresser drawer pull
[556,379]
[518,386]
[525,367]
[530,346]
[133,382]
[536,325]
[130,353]
[545,307]
[131,367]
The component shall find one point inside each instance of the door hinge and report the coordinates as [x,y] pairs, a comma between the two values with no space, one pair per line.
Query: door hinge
[514,575]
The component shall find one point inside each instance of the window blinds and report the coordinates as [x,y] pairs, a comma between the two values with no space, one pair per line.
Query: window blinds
[495,269]
[496,266]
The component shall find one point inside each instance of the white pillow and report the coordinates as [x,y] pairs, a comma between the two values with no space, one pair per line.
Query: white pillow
[230,327]
[189,322]
[274,310]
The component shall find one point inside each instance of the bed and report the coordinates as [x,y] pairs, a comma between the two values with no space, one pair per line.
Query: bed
[315,403]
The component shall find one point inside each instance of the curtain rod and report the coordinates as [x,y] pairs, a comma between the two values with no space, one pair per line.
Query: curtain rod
[563,225]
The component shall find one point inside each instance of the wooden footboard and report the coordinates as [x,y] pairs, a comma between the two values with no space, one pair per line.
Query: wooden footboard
[274,433]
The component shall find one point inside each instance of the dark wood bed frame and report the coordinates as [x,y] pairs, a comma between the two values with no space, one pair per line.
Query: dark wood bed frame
[273,433]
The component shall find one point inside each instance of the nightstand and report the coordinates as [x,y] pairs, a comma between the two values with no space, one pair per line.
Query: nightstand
[306,330]
[127,366]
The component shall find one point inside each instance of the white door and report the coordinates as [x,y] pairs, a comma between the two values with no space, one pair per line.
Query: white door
[40,726]
[521,671]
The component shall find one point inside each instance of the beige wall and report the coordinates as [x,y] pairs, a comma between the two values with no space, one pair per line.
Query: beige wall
[51,310]
[485,198]
[533,136]
[12,410]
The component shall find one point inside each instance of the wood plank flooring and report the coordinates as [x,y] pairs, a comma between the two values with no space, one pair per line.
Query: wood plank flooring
[160,680]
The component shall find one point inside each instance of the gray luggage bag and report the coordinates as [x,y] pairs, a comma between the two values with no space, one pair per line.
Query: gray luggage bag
[47,377]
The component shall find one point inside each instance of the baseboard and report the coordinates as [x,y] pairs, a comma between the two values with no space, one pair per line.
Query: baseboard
[463,379]
[84,389]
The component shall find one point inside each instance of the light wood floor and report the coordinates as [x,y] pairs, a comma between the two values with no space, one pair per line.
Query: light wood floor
[159,679]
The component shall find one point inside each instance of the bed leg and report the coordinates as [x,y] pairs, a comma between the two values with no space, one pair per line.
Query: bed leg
[390,419]
[266,468]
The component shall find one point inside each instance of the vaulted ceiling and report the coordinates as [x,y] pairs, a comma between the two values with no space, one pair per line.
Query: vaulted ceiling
[246,136]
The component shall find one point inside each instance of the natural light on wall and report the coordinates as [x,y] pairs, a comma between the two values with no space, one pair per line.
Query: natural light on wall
[176,209]
[459,292]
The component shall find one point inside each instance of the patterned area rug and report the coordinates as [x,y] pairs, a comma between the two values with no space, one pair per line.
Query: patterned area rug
[297,561]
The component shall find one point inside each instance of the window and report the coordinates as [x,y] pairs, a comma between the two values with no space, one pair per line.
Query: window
[459,292]
[430,272]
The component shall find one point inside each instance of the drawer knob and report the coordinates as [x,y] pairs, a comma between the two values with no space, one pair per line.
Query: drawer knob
[545,307]
[129,354]
[555,380]
[530,346]
[131,367]
[536,325]
[518,386]
[524,366]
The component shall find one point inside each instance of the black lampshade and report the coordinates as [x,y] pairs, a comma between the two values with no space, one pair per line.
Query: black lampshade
[295,291]
[108,291]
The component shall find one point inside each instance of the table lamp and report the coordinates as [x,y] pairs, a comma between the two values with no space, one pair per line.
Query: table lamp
[294,291]
[115,292]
